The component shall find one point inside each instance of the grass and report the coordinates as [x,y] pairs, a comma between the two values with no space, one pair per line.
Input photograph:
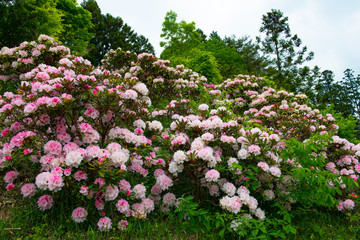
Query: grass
[21,220]
[25,222]
[322,224]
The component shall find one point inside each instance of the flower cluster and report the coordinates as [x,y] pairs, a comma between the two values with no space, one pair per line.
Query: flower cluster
[105,134]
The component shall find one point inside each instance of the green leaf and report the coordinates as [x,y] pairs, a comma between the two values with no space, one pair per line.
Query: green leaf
[217,224]
[101,174]
[238,166]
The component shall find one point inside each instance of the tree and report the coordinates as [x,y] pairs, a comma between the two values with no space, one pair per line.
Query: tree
[185,44]
[180,36]
[110,33]
[205,63]
[253,60]
[230,62]
[76,23]
[64,20]
[328,93]
[351,85]
[283,49]
[22,20]
[308,78]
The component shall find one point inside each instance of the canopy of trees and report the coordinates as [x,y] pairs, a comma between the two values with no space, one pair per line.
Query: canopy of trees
[82,28]
[110,33]
[276,53]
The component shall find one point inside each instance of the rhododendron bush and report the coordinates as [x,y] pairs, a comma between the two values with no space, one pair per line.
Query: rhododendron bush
[134,134]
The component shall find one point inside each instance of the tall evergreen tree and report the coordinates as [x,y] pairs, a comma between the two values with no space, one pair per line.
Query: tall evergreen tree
[254,61]
[110,33]
[283,49]
[351,85]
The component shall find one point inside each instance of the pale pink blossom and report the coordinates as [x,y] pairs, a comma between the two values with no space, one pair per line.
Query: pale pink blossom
[104,224]
[10,176]
[275,171]
[264,166]
[28,190]
[124,185]
[79,214]
[45,202]
[212,175]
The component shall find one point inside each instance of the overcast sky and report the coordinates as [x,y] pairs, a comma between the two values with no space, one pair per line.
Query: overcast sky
[329,28]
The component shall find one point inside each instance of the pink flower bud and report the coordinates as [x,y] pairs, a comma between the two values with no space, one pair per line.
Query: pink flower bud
[10,186]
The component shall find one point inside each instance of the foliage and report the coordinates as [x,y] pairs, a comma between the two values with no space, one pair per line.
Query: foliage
[121,142]
[76,22]
[232,63]
[351,84]
[63,19]
[180,36]
[253,60]
[338,97]
[26,20]
[205,62]
[111,33]
[283,49]
[348,126]
[189,46]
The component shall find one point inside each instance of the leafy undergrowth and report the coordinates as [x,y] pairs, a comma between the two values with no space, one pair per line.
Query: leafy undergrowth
[26,224]
[190,222]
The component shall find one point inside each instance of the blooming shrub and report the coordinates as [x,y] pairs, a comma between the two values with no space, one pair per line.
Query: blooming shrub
[71,129]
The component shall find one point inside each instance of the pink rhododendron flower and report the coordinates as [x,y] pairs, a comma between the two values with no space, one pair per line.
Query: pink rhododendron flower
[243,154]
[84,190]
[164,182]
[139,191]
[79,175]
[28,190]
[74,159]
[255,149]
[30,108]
[122,225]
[156,190]
[229,189]
[45,202]
[111,192]
[275,171]
[349,204]
[79,214]
[100,181]
[104,224]
[10,186]
[264,166]
[67,172]
[212,175]
[10,176]
[55,182]
[99,204]
[53,147]
[169,199]
[122,206]
[124,185]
